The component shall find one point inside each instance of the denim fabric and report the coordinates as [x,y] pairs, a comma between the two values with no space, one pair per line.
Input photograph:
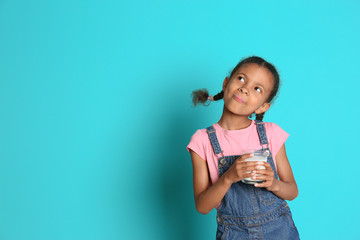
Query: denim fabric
[261,131]
[248,212]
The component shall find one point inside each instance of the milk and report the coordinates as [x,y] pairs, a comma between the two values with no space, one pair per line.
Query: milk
[259,156]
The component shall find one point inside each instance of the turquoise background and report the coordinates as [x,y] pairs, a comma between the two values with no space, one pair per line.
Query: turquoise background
[95,112]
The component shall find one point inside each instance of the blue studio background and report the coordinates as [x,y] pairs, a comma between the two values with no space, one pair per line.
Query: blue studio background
[95,112]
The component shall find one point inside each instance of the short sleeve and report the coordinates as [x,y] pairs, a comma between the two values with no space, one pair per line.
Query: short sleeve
[197,143]
[277,137]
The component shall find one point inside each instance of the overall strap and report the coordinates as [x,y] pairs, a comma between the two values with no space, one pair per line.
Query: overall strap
[262,133]
[264,141]
[214,142]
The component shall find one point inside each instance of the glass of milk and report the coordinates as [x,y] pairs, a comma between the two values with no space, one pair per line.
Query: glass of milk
[259,156]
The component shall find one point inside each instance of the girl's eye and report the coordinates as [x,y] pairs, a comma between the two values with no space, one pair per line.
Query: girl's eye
[241,79]
[258,89]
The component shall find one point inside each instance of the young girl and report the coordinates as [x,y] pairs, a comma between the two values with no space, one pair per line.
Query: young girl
[254,209]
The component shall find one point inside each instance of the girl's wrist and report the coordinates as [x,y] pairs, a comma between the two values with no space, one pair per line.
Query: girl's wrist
[275,186]
[226,180]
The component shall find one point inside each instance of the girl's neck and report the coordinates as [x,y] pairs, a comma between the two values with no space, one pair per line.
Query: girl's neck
[231,121]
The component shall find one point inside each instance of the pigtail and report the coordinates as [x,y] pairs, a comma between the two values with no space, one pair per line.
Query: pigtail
[260,116]
[219,96]
[202,96]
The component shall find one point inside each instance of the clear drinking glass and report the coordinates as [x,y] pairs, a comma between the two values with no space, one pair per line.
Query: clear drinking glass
[259,156]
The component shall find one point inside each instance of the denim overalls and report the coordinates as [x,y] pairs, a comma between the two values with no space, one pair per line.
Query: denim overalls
[248,212]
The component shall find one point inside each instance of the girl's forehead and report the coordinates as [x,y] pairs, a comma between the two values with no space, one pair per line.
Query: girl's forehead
[257,73]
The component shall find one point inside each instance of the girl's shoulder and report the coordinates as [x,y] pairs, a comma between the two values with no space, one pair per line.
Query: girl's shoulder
[199,143]
[276,136]
[201,136]
[200,133]
[272,127]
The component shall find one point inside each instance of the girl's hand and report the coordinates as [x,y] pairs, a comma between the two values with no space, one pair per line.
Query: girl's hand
[238,170]
[267,174]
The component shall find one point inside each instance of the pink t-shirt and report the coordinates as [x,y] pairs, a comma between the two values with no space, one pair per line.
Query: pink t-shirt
[234,142]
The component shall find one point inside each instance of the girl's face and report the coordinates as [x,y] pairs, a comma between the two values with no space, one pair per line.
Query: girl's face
[248,89]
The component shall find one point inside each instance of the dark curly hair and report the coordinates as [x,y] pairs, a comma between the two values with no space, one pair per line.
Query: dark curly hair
[201,95]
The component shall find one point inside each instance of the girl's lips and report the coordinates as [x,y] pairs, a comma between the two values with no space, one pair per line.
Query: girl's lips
[239,99]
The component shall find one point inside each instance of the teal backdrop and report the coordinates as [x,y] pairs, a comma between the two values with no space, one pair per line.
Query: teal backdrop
[95,112]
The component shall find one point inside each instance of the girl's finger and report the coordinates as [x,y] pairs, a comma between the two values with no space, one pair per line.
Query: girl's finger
[267,183]
[261,184]
[267,164]
[249,164]
[260,177]
[247,175]
[263,172]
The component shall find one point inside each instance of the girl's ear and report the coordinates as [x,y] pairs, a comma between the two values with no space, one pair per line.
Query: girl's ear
[226,81]
[263,108]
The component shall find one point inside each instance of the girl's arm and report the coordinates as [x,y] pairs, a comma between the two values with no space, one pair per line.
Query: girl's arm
[285,188]
[206,198]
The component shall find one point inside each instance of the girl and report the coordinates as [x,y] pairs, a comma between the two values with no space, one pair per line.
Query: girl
[254,209]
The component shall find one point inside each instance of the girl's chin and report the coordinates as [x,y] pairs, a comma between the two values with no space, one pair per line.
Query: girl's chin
[238,112]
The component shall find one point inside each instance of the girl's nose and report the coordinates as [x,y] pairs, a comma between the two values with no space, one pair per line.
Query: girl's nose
[244,90]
